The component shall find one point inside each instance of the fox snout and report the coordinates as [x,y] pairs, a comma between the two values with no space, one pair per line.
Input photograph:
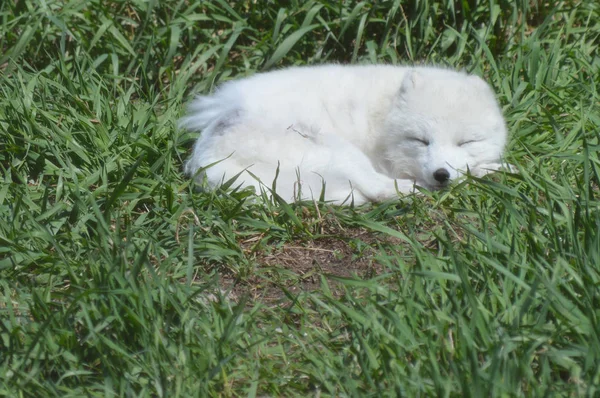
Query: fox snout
[441,175]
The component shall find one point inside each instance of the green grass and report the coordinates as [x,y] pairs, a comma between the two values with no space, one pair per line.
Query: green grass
[116,279]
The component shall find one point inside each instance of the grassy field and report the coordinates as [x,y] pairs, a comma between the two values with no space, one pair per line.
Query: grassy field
[116,279]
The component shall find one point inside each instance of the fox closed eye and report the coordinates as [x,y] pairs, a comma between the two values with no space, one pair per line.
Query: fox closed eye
[463,143]
[422,141]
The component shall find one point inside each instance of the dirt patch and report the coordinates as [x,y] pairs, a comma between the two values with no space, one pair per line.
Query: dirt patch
[279,271]
[299,266]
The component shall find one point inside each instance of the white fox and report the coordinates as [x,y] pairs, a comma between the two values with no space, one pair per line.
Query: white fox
[361,133]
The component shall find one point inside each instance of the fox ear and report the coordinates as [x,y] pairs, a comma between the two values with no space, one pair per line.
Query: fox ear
[412,79]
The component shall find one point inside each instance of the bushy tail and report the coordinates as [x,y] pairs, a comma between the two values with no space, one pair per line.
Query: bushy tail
[209,114]
[203,111]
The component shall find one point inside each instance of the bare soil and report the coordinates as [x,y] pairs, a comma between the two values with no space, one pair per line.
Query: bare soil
[299,266]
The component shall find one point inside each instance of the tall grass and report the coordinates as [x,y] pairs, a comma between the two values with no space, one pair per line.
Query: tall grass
[117,279]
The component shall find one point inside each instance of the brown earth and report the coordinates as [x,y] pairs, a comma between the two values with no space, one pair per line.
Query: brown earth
[298,267]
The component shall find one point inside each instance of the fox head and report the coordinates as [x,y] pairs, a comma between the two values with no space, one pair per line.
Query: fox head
[440,125]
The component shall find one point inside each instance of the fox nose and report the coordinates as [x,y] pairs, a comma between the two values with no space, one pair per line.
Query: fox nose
[441,175]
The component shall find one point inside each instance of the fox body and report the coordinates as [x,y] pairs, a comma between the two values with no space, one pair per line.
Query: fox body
[361,133]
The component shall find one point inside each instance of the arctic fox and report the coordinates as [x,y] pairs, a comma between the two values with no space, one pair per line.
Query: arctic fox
[360,133]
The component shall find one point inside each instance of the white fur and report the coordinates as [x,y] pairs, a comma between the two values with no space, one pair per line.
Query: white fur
[361,130]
